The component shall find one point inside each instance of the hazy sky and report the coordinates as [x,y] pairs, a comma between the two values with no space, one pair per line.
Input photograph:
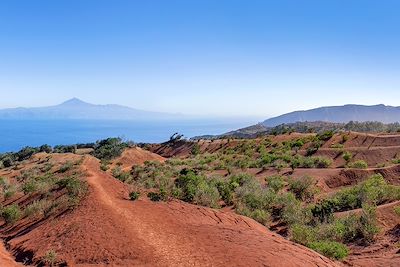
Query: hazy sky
[200,57]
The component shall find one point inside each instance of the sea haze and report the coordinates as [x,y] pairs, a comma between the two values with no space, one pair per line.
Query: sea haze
[15,134]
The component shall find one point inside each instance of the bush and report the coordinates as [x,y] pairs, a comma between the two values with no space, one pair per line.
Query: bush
[347,156]
[25,153]
[330,249]
[45,148]
[10,192]
[321,162]
[37,207]
[109,148]
[104,166]
[66,167]
[290,210]
[65,149]
[359,164]
[75,187]
[325,136]
[207,195]
[134,195]
[303,234]
[373,191]
[154,196]
[313,148]
[29,187]
[275,182]
[303,188]
[8,162]
[11,213]
[197,189]
[258,215]
[195,149]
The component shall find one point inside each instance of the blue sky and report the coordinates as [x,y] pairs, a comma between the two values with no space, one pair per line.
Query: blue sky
[226,58]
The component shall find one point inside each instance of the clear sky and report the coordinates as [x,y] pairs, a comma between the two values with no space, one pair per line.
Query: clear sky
[211,57]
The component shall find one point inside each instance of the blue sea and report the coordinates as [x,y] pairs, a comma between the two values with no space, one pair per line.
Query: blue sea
[15,134]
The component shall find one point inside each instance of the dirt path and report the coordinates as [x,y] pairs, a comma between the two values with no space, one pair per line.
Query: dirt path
[180,234]
[168,248]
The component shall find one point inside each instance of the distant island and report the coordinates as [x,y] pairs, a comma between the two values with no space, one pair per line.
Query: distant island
[78,109]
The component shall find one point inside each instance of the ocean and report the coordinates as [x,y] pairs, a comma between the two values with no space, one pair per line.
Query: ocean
[15,134]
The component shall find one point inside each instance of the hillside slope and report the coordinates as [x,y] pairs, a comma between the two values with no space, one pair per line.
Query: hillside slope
[108,229]
[346,113]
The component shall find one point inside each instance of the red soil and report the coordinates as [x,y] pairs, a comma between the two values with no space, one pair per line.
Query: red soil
[384,251]
[135,156]
[108,229]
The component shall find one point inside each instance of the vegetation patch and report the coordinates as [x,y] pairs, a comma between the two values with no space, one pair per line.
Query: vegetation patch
[330,249]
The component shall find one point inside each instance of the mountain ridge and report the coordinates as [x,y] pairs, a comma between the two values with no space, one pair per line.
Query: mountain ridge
[75,108]
[341,114]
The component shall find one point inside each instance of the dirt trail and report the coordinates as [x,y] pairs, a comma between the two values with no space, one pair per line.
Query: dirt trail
[180,234]
[168,249]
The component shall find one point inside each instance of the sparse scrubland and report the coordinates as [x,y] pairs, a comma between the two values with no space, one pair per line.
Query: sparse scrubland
[278,181]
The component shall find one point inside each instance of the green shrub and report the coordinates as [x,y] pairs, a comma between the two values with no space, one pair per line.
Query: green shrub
[313,148]
[11,213]
[290,209]
[110,148]
[134,195]
[325,136]
[321,162]
[65,149]
[225,190]
[374,190]
[359,164]
[207,195]
[337,146]
[154,196]
[195,149]
[29,186]
[118,173]
[9,192]
[303,234]
[302,187]
[259,215]
[37,208]
[104,166]
[275,182]
[74,186]
[8,162]
[396,161]
[368,223]
[45,148]
[66,166]
[25,153]
[330,249]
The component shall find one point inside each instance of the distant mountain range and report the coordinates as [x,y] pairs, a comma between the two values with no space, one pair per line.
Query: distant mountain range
[339,114]
[377,118]
[78,109]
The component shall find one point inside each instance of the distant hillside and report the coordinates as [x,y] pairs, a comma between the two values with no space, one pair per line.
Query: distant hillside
[78,109]
[339,114]
[307,127]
